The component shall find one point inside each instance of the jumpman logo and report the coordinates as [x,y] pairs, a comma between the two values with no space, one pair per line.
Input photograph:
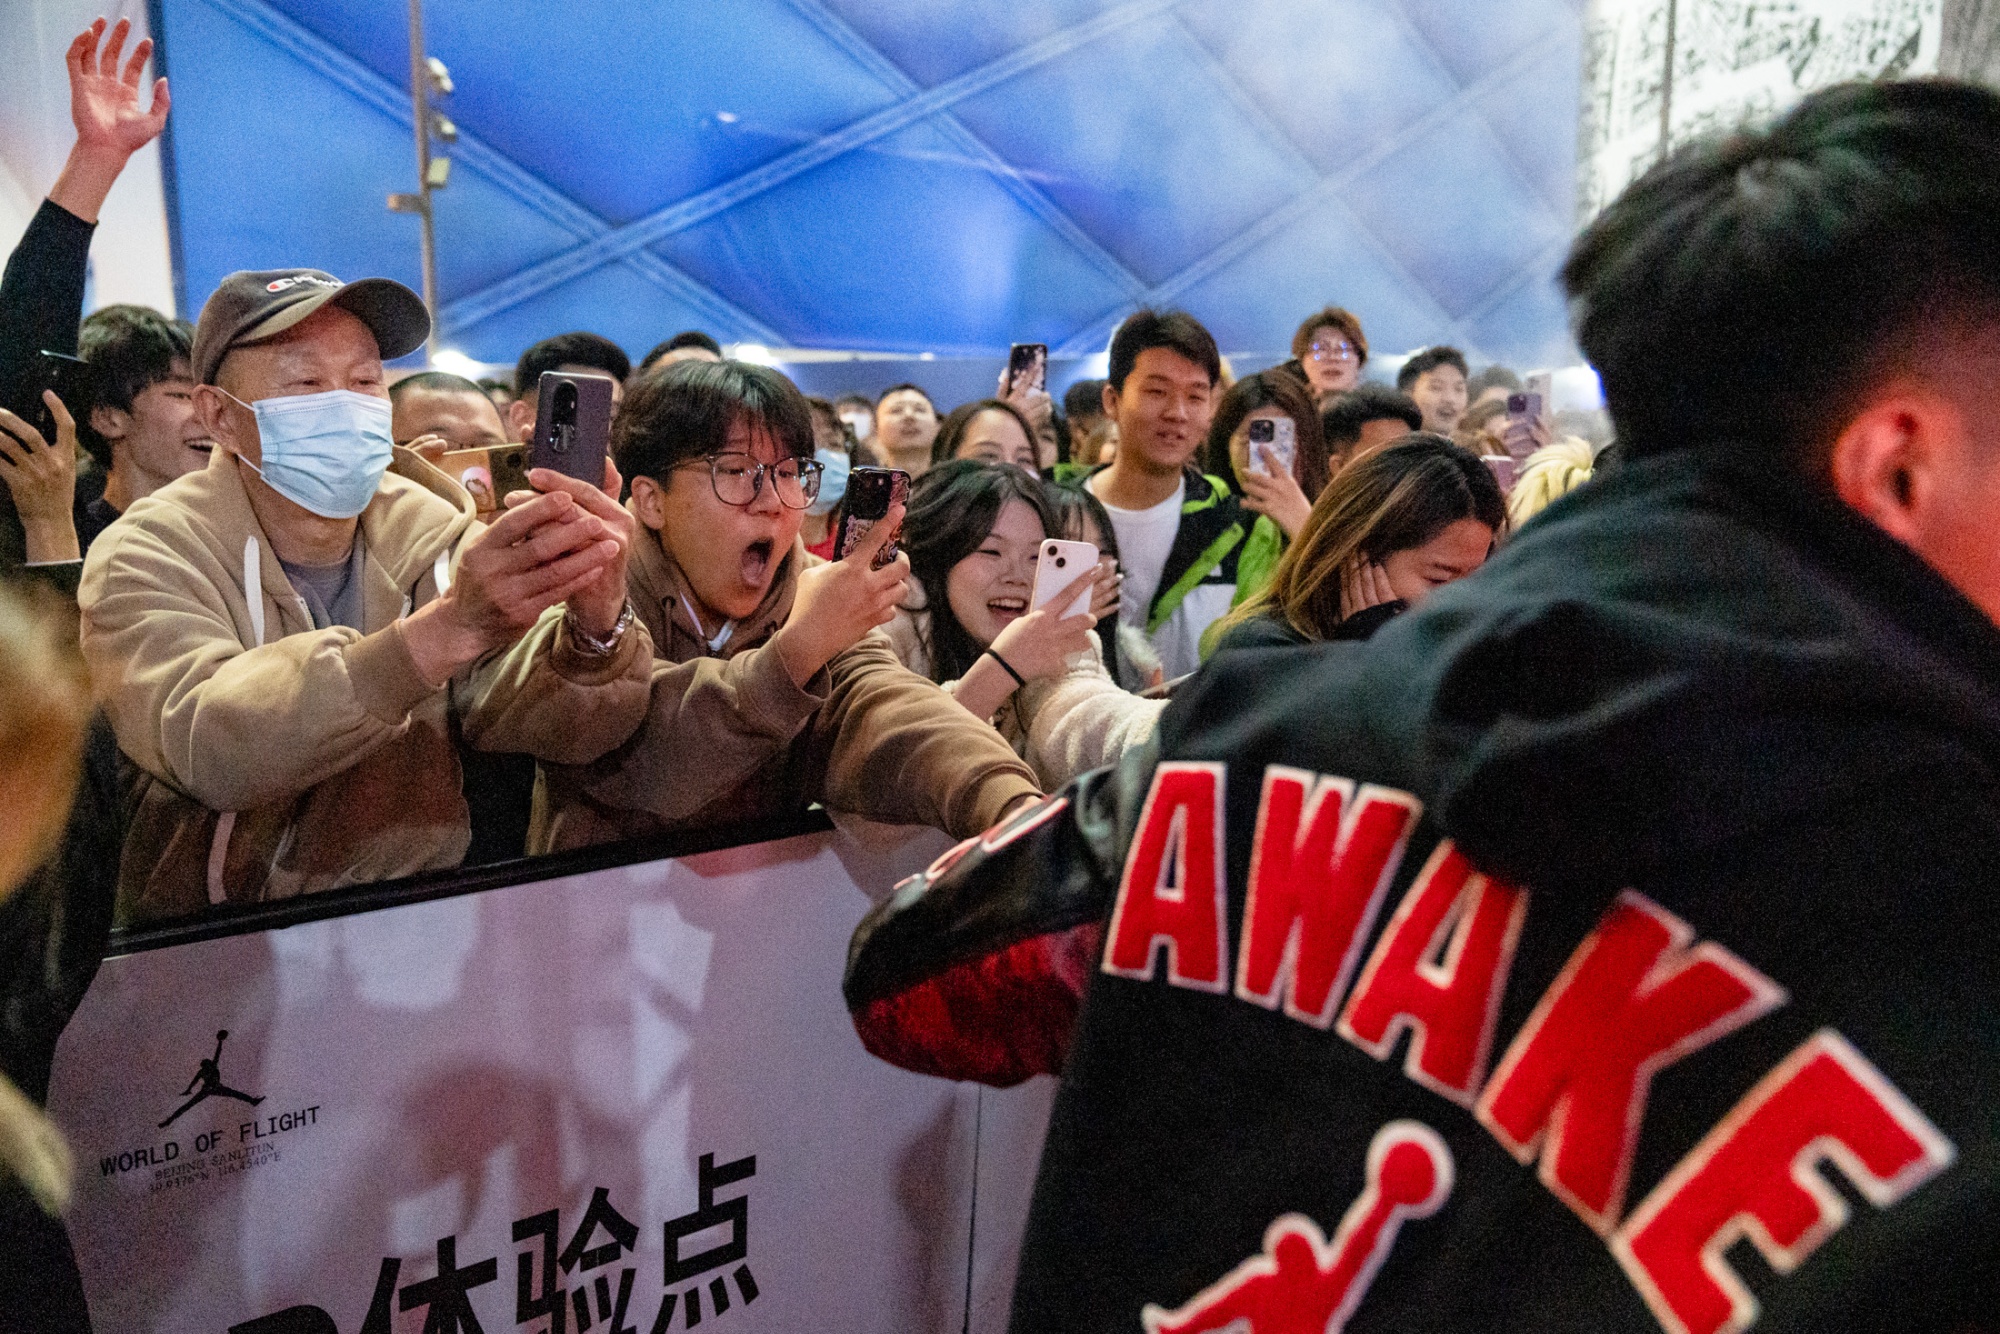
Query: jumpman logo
[207,1083]
[1301,1283]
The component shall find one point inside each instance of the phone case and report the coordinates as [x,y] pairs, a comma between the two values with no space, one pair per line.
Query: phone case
[1283,443]
[473,470]
[1056,563]
[509,465]
[871,493]
[1027,366]
[572,424]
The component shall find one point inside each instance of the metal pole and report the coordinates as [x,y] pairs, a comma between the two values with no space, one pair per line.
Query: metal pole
[420,115]
[1666,87]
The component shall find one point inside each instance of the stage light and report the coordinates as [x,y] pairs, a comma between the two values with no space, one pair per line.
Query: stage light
[754,353]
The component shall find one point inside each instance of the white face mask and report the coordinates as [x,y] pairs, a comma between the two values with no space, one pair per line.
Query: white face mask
[324,452]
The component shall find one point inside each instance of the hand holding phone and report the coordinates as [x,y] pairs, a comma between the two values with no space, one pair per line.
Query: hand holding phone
[1058,565]
[1027,369]
[1273,438]
[871,493]
[572,424]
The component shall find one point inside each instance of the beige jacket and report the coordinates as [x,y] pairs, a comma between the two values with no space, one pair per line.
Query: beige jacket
[730,737]
[1063,725]
[278,759]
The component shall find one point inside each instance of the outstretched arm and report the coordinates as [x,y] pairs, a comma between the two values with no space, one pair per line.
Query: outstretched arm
[112,119]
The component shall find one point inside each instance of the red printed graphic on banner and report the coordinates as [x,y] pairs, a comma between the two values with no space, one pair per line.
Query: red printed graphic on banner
[1320,862]
[1439,970]
[1172,891]
[1760,1174]
[1632,1000]
[1301,1283]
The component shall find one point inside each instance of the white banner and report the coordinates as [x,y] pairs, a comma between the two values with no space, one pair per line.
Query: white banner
[627,1101]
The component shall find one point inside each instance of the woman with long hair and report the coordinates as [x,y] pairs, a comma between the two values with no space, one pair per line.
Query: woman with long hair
[1392,526]
[991,430]
[1280,498]
[973,533]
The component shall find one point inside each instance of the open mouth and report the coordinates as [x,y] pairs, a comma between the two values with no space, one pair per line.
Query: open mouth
[200,446]
[1007,609]
[757,562]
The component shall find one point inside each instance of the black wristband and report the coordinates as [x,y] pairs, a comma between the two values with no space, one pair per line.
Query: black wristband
[1007,667]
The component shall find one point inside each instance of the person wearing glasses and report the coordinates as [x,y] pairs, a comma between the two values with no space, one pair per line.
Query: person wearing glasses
[1329,351]
[773,686]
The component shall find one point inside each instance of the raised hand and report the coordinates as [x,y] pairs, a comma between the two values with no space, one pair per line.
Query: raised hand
[1274,492]
[598,603]
[105,101]
[42,479]
[1041,643]
[837,603]
[112,122]
[1363,584]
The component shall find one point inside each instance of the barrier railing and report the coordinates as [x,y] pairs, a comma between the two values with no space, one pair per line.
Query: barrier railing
[615,1089]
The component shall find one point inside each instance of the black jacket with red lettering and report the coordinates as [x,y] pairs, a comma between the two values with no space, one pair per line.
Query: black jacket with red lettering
[1609,944]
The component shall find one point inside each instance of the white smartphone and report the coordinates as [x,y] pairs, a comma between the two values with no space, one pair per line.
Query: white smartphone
[1056,565]
[1273,435]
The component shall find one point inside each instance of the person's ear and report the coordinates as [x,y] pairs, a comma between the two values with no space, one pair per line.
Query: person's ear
[225,423]
[111,423]
[520,420]
[649,502]
[1889,464]
[1110,401]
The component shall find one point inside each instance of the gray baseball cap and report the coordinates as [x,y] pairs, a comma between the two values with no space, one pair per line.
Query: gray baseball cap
[248,307]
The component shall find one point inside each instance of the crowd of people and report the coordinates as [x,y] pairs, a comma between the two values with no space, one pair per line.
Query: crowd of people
[324,650]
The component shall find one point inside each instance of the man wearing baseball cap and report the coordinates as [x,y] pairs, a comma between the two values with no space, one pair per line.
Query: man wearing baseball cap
[291,641]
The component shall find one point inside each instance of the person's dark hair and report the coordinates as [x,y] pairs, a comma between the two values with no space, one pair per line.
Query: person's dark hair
[1084,399]
[1399,497]
[1752,289]
[130,349]
[686,338]
[1271,389]
[856,401]
[1072,503]
[1339,318]
[570,349]
[1493,377]
[899,388]
[1175,330]
[684,410]
[443,382]
[491,387]
[1341,420]
[953,508]
[951,431]
[1429,360]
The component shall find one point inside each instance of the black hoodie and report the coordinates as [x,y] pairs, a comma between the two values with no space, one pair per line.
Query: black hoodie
[1672,1009]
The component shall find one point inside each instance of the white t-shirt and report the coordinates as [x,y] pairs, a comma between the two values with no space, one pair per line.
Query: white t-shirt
[1145,538]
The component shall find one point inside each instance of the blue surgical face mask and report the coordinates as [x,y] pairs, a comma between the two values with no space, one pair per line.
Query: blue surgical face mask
[323,452]
[834,466]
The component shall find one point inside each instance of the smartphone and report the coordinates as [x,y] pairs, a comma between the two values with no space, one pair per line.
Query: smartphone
[1055,565]
[871,492]
[1506,470]
[75,383]
[473,470]
[508,465]
[1277,435]
[572,424]
[1027,367]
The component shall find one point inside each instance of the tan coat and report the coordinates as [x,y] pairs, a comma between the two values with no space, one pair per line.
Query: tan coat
[278,759]
[730,737]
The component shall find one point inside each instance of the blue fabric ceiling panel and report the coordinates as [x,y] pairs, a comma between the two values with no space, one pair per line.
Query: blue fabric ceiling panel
[1148,94]
[901,175]
[906,244]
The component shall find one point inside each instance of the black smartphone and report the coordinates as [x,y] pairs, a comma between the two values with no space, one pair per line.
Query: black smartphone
[572,424]
[870,494]
[75,383]
[1027,366]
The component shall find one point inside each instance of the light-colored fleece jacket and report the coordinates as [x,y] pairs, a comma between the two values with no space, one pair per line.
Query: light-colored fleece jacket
[278,759]
[730,737]
[1061,725]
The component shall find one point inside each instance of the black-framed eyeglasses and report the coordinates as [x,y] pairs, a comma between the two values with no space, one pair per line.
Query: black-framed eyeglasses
[1338,349]
[738,479]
